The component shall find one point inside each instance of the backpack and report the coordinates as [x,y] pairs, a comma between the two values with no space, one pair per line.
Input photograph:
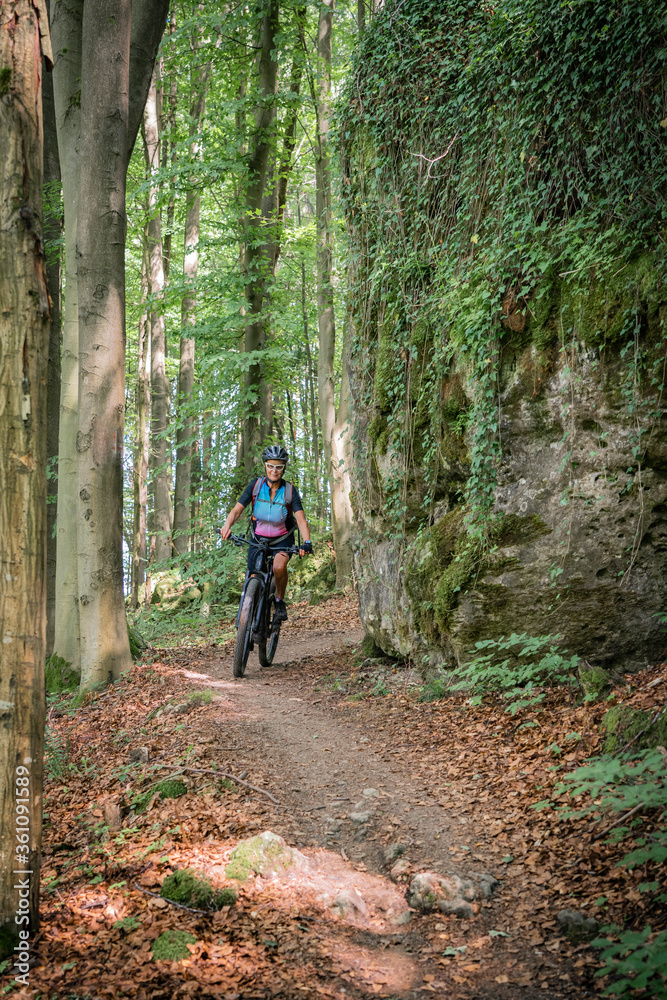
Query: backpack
[290,520]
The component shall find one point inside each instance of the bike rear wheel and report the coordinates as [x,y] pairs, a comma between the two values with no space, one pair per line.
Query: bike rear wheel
[267,649]
[244,634]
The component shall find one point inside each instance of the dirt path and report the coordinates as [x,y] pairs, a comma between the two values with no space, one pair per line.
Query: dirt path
[367,820]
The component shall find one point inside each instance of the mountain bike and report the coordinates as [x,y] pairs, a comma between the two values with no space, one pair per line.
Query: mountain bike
[255,620]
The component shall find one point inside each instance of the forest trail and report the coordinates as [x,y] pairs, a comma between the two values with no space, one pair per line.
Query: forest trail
[367,783]
[344,794]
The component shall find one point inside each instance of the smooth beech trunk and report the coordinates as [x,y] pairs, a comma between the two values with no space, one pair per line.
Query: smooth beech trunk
[66,21]
[105,650]
[333,430]
[162,512]
[24,344]
[141,442]
[186,371]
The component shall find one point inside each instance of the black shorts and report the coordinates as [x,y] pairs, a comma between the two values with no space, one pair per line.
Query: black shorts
[277,545]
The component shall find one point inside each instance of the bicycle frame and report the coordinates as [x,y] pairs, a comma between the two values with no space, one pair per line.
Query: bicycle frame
[264,571]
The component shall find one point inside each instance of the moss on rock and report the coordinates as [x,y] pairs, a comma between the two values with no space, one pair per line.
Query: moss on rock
[185,887]
[172,946]
[60,675]
[594,682]
[265,854]
[622,723]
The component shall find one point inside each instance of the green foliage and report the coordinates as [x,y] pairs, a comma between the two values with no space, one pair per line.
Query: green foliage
[314,576]
[624,786]
[498,192]
[128,924]
[137,642]
[172,946]
[169,789]
[59,675]
[519,676]
[56,752]
[636,960]
[185,887]
[435,688]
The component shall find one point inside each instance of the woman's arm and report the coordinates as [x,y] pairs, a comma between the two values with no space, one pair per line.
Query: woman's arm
[303,524]
[233,516]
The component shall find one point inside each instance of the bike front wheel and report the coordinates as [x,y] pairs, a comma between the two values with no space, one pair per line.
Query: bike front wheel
[267,649]
[244,634]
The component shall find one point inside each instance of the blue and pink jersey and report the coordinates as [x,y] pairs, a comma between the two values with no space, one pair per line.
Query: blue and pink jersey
[270,515]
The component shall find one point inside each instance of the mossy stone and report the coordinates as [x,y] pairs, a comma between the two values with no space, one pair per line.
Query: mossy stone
[265,854]
[188,889]
[172,946]
[622,723]
[59,675]
[594,682]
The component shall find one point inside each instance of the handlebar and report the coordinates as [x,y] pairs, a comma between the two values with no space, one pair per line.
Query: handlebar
[262,545]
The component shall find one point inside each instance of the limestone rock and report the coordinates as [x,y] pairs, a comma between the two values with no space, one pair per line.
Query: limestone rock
[267,855]
[392,852]
[449,893]
[361,816]
[416,600]
[140,755]
[350,903]
[402,867]
[577,926]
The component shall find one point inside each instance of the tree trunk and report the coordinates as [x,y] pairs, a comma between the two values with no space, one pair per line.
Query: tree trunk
[66,35]
[309,376]
[142,442]
[159,384]
[105,650]
[24,344]
[341,511]
[256,263]
[52,237]
[169,155]
[186,373]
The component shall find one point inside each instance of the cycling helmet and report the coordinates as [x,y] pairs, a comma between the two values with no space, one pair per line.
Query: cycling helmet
[275,453]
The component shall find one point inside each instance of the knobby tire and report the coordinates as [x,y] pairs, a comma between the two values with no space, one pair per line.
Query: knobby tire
[244,634]
[267,650]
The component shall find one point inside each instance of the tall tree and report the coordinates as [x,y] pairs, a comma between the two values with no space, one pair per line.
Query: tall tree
[257,262]
[334,427]
[24,344]
[162,510]
[66,21]
[142,440]
[186,372]
[52,237]
[93,634]
[100,247]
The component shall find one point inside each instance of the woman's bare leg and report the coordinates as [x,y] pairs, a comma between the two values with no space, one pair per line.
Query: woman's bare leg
[280,562]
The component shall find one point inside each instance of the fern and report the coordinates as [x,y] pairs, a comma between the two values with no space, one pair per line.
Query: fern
[55,752]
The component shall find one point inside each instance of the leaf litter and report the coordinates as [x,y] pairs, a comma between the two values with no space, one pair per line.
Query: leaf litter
[104,861]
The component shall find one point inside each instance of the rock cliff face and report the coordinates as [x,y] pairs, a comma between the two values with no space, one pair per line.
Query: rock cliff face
[581,550]
[508,290]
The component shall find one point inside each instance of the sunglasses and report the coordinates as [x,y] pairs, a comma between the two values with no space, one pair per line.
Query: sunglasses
[275,468]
